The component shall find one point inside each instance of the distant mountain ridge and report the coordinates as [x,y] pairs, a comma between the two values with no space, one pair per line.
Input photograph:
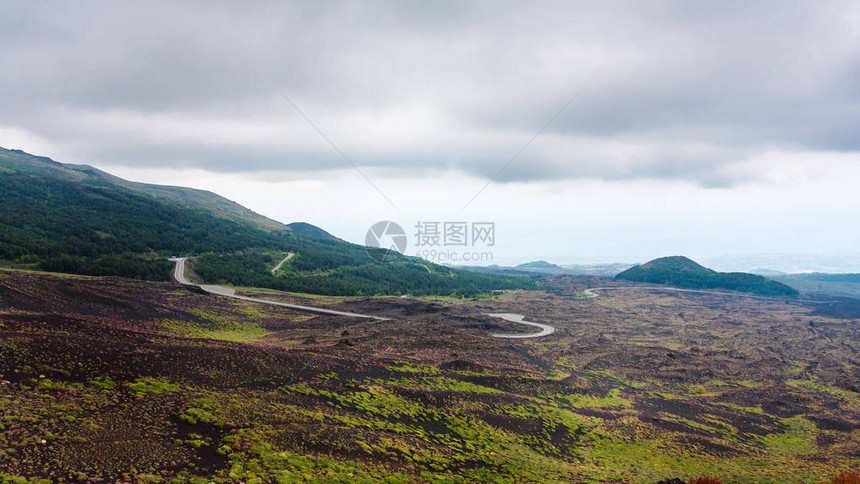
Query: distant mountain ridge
[824,277]
[840,285]
[682,272]
[547,268]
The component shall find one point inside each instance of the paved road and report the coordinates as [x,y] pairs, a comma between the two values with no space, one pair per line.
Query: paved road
[288,257]
[545,330]
[179,271]
[179,275]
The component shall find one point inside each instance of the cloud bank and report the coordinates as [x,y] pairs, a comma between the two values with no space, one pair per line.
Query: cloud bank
[689,91]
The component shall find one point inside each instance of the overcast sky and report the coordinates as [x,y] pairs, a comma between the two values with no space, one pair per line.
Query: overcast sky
[702,129]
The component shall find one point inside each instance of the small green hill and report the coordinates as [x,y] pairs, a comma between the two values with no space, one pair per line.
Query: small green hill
[538,264]
[682,272]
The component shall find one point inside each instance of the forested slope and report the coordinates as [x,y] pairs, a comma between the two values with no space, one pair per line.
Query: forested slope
[69,218]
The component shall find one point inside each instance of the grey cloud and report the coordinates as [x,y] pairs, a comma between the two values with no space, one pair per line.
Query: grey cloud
[736,77]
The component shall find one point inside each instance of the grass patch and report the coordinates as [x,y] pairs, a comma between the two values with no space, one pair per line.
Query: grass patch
[103,382]
[405,367]
[152,386]
[756,410]
[235,331]
[443,383]
[668,396]
[850,399]
[797,439]
[696,425]
[612,399]
[748,384]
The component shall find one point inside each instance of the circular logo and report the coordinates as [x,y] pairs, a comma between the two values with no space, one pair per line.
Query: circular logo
[385,241]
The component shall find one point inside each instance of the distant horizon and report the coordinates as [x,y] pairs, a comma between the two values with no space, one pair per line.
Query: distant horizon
[790,263]
[734,263]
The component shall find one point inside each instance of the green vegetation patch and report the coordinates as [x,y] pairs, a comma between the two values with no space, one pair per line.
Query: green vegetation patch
[797,439]
[103,382]
[443,383]
[215,327]
[152,386]
[612,399]
[756,410]
[849,399]
[261,461]
[405,367]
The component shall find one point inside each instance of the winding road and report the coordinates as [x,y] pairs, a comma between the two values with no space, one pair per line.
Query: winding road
[545,330]
[179,275]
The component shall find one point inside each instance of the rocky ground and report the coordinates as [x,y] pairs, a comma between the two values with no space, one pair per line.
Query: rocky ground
[113,379]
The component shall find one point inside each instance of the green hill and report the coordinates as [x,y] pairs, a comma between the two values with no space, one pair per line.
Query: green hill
[538,264]
[77,219]
[682,272]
